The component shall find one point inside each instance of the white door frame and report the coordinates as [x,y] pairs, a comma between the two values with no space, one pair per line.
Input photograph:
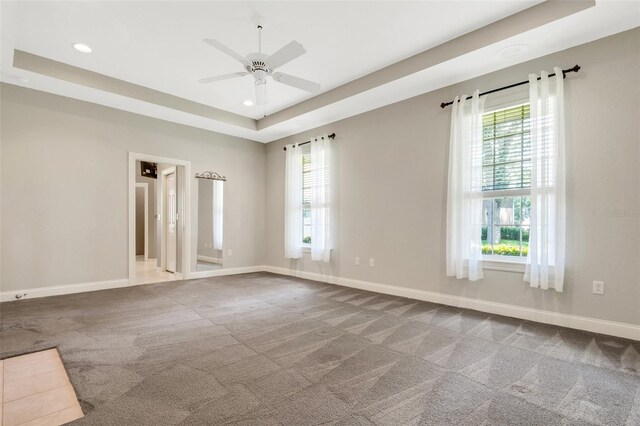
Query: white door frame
[145,187]
[186,219]
[163,222]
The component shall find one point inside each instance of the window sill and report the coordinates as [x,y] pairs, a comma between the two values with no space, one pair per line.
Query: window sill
[307,249]
[504,263]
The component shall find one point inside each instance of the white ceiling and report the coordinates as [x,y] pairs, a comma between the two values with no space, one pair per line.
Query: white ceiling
[159,45]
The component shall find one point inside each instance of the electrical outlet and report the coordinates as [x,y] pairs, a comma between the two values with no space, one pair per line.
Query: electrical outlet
[358,261]
[229,252]
[372,261]
[598,287]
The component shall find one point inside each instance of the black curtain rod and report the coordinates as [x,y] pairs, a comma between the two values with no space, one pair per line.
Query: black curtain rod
[575,68]
[331,136]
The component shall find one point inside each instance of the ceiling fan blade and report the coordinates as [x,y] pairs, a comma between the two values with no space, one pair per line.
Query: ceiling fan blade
[221,47]
[261,93]
[285,54]
[297,82]
[222,77]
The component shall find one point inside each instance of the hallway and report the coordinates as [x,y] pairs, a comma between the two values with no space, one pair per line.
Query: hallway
[147,272]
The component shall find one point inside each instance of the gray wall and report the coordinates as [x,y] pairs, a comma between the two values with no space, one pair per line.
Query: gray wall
[393,180]
[64,178]
[69,224]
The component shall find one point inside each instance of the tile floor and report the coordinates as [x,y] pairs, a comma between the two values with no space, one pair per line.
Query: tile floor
[147,272]
[35,390]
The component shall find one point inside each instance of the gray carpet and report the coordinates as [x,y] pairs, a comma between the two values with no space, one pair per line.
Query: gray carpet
[263,349]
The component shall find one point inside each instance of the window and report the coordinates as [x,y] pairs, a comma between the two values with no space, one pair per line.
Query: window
[506,181]
[306,195]
[307,207]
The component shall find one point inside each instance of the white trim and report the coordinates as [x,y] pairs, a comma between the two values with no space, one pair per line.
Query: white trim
[186,239]
[145,186]
[32,293]
[498,193]
[506,100]
[229,271]
[612,328]
[209,259]
[173,170]
[503,263]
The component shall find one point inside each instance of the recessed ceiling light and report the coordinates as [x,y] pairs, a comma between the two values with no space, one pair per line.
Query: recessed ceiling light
[248,102]
[81,47]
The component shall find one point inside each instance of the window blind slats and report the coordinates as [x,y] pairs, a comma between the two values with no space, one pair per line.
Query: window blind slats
[506,154]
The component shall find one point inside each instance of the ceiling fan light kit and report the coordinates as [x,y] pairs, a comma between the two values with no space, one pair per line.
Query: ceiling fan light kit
[261,66]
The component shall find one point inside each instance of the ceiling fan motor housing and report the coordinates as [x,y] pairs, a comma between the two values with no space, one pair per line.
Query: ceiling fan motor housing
[258,63]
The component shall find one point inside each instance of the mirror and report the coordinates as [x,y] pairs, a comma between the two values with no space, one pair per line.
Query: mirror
[210,221]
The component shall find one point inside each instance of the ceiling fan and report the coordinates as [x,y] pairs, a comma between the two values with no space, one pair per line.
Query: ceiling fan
[262,66]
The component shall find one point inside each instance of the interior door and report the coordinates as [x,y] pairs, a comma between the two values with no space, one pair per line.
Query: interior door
[171,228]
[140,246]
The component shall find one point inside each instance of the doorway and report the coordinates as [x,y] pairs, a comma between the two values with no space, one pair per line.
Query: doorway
[167,227]
[170,212]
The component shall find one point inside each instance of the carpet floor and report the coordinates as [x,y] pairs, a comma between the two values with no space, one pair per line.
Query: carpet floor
[264,349]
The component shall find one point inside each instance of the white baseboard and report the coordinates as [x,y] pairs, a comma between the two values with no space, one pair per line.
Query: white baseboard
[31,293]
[229,271]
[612,328]
[629,331]
[209,259]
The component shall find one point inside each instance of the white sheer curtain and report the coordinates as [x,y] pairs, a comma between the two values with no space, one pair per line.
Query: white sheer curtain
[545,261]
[464,198]
[217,213]
[321,198]
[293,203]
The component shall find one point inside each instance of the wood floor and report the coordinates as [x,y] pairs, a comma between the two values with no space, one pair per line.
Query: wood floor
[35,390]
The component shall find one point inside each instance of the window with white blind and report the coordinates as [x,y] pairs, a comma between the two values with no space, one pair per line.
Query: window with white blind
[306,195]
[506,181]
